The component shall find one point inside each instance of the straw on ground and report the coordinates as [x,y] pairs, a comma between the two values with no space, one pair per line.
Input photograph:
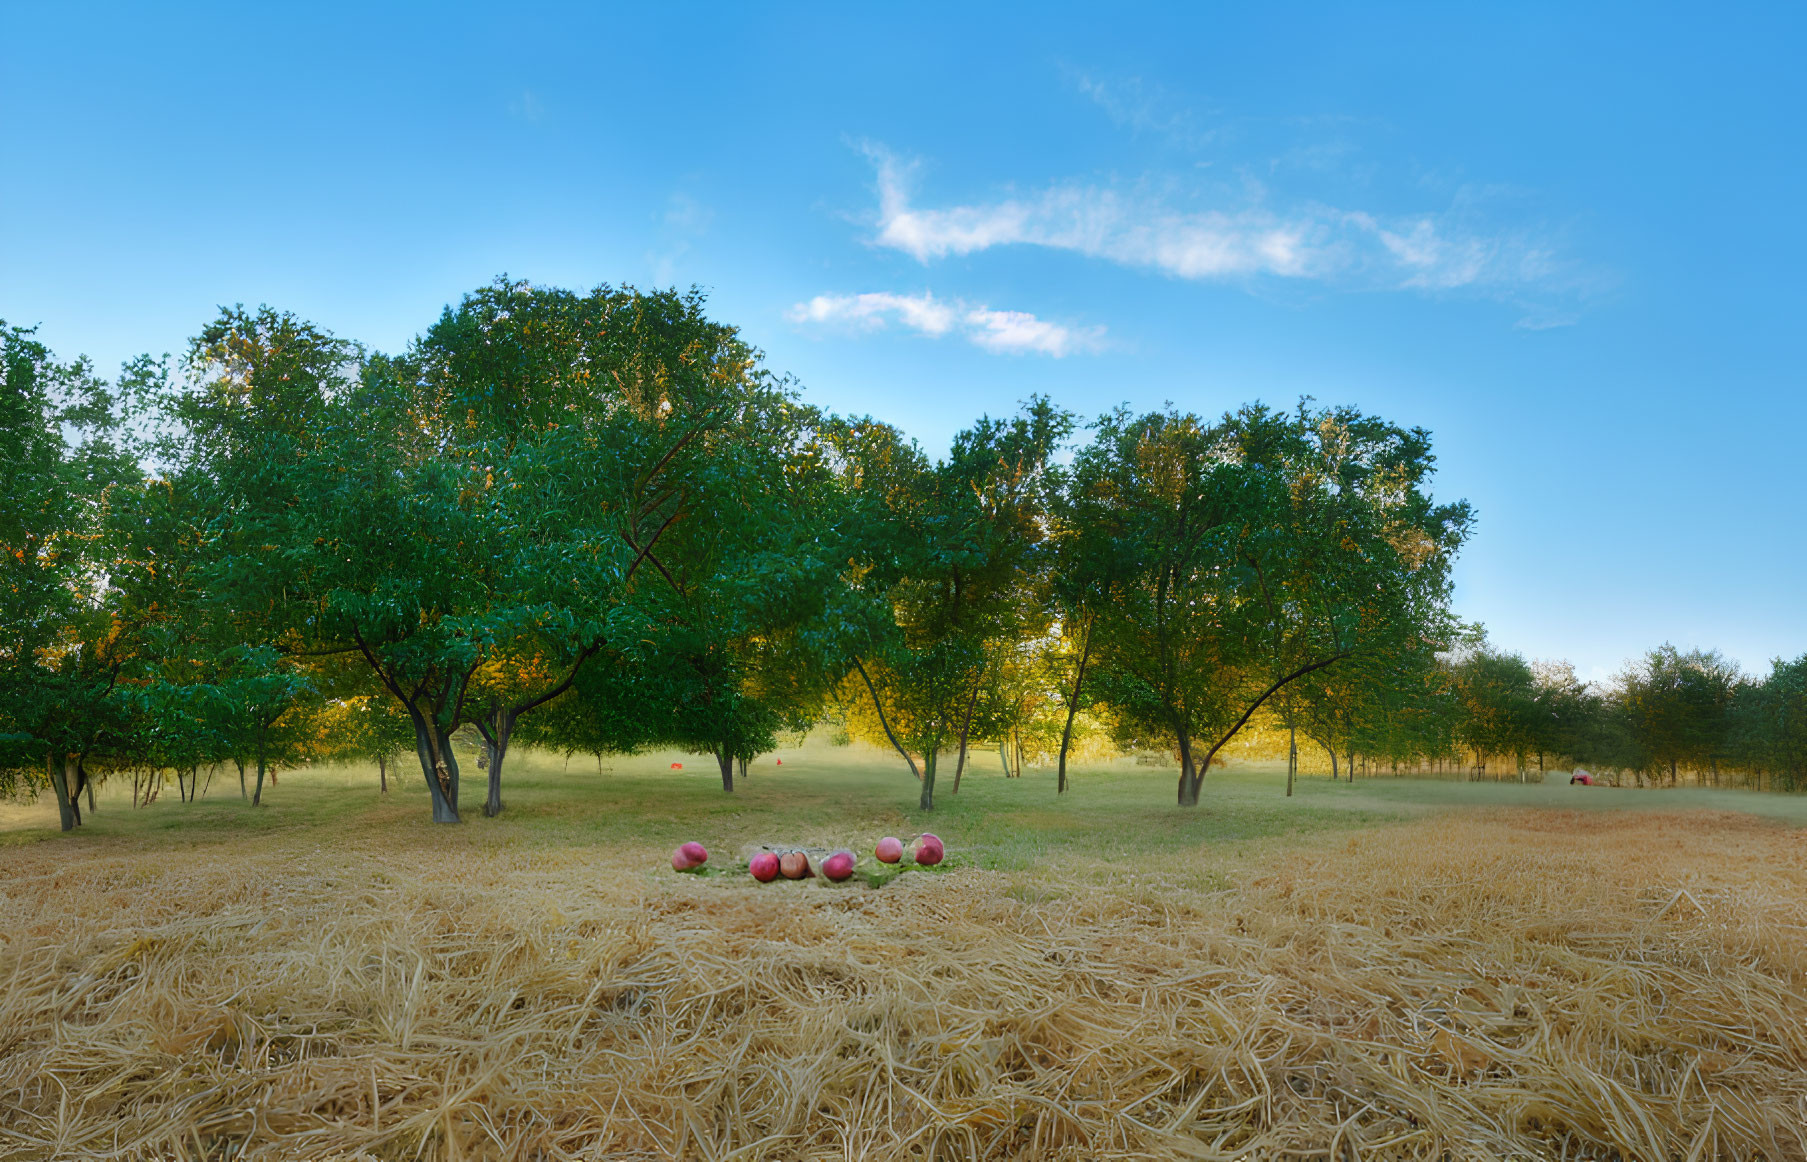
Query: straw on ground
[1480,985]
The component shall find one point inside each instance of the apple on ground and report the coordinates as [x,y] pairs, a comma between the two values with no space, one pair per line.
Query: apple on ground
[838,866]
[794,865]
[889,850]
[929,850]
[764,867]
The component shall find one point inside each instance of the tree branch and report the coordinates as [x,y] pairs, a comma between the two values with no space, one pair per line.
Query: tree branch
[643,553]
[571,677]
[1268,693]
[876,705]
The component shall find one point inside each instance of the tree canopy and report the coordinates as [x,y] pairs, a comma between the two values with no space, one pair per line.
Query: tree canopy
[595,521]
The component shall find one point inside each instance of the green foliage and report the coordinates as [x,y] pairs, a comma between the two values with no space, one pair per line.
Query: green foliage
[954,553]
[594,522]
[63,647]
[1677,707]
[1245,555]
[1769,724]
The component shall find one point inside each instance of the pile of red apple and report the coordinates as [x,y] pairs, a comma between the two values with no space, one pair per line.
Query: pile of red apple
[767,866]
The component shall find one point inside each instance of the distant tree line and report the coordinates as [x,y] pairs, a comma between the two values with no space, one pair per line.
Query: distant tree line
[1670,717]
[594,522]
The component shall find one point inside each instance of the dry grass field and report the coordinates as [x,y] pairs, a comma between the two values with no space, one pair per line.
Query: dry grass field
[1398,971]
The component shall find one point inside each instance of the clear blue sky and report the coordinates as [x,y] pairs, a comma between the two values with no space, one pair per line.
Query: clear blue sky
[1566,238]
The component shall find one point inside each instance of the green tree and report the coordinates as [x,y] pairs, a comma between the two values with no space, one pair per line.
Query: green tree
[577,421]
[1499,714]
[1677,708]
[63,649]
[468,520]
[1258,551]
[955,550]
[367,729]
[1770,723]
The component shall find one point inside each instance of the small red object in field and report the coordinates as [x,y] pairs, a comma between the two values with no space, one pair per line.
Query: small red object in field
[838,866]
[764,867]
[690,856]
[929,850]
[677,766]
[794,865]
[780,762]
[889,850]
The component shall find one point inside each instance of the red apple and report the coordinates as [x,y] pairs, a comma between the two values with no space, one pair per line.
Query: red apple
[681,861]
[794,865]
[929,850]
[838,866]
[695,852]
[764,867]
[889,850]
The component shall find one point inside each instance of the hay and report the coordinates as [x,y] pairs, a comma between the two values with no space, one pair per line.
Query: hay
[1530,984]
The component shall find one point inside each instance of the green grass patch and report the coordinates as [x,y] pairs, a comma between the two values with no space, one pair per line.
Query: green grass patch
[820,796]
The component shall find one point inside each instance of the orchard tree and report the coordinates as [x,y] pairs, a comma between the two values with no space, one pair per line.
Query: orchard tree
[1497,694]
[1257,551]
[367,728]
[468,520]
[1565,708]
[63,649]
[955,550]
[1677,707]
[747,615]
[1770,720]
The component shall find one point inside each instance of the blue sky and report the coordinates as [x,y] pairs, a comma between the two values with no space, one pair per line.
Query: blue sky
[1567,239]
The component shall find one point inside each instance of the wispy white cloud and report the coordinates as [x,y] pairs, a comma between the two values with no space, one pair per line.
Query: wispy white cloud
[1161,227]
[527,106]
[1002,332]
[1144,109]
[683,220]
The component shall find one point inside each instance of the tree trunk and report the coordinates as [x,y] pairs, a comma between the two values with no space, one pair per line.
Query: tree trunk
[1066,735]
[965,727]
[1188,784]
[75,788]
[257,796]
[439,766]
[1292,758]
[242,793]
[883,721]
[496,735]
[726,761]
[927,801]
[382,772]
[209,785]
[1004,753]
[59,785]
[741,761]
[87,785]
